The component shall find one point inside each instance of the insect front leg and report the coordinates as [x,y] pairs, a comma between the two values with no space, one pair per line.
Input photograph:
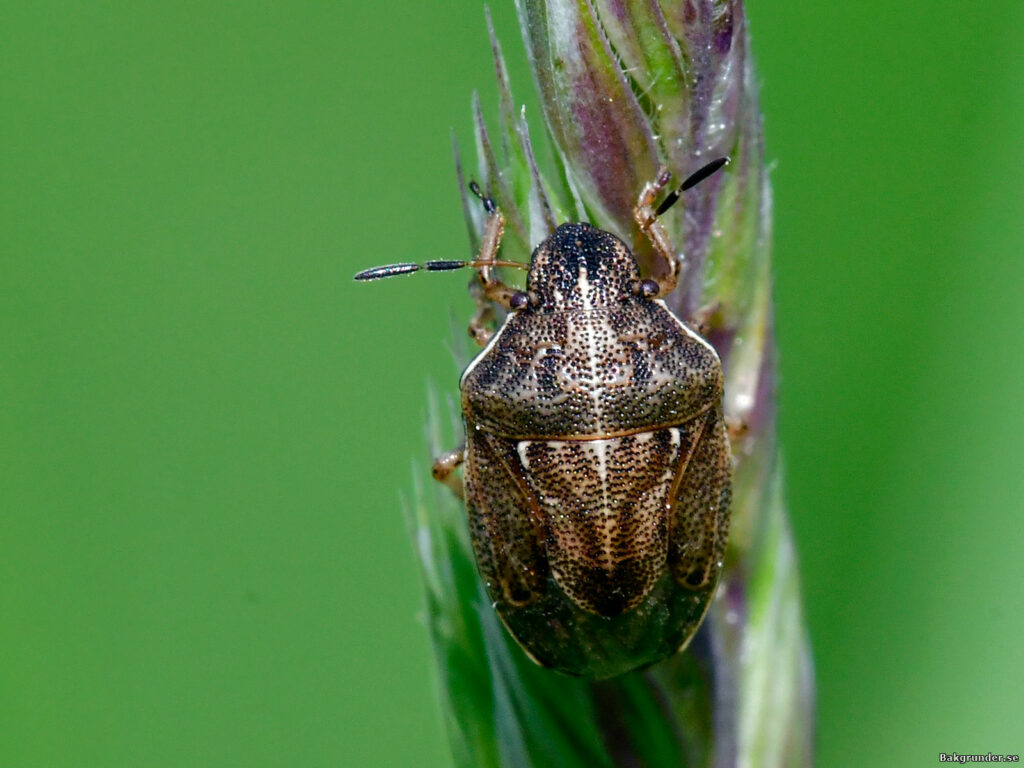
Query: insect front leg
[444,470]
[491,288]
[646,216]
[647,219]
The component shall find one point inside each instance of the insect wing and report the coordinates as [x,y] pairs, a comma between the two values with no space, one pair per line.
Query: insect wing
[700,515]
[504,525]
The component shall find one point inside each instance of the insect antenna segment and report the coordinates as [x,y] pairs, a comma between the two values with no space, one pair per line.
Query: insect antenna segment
[691,181]
[439,265]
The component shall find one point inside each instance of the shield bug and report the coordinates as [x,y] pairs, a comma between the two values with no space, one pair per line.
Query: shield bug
[596,467]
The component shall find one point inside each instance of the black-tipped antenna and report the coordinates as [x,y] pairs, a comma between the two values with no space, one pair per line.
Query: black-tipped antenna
[440,265]
[379,273]
[445,265]
[691,181]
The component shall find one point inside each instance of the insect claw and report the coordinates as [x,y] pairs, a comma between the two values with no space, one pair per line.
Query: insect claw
[489,205]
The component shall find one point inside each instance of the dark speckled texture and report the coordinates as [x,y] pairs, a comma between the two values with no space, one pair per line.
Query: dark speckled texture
[598,467]
[593,361]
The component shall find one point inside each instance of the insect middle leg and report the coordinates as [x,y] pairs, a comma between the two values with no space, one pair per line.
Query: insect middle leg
[480,324]
[444,470]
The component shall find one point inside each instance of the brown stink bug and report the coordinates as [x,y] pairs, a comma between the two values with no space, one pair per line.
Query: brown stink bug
[596,468]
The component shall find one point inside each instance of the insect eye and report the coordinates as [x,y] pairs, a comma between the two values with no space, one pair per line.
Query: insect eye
[519,300]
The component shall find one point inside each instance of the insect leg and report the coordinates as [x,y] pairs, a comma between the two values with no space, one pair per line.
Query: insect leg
[480,324]
[737,428]
[490,288]
[646,216]
[647,219]
[445,466]
[706,318]
[494,289]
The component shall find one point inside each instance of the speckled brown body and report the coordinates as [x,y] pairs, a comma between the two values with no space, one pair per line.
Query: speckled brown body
[597,468]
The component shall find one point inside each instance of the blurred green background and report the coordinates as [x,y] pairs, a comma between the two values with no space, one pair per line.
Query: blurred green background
[206,427]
